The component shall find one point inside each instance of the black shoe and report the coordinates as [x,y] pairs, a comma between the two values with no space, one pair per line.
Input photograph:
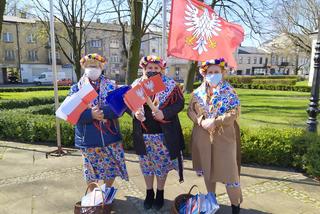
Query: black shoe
[235,209]
[149,199]
[158,203]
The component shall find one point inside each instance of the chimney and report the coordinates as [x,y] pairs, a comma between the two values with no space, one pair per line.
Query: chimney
[23,15]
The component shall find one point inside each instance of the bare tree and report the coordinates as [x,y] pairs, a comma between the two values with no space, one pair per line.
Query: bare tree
[2,8]
[141,14]
[297,19]
[73,17]
[249,13]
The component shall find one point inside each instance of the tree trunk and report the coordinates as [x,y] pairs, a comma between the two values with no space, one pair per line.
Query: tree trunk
[2,8]
[135,41]
[188,82]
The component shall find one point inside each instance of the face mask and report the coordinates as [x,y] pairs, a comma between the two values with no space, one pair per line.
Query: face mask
[93,73]
[213,79]
[152,73]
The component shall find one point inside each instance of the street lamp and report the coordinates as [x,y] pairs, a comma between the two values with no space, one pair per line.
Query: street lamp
[313,109]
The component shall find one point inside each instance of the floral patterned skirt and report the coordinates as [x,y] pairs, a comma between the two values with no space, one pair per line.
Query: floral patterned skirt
[104,163]
[157,160]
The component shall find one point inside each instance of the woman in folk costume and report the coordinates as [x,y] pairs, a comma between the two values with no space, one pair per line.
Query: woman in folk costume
[97,132]
[158,146]
[214,108]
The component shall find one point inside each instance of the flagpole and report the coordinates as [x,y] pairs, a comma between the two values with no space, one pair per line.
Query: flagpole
[59,151]
[164,29]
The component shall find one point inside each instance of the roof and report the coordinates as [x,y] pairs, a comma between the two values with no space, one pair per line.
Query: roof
[16,19]
[250,50]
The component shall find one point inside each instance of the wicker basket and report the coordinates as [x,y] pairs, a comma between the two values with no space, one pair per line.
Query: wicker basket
[99,209]
[181,199]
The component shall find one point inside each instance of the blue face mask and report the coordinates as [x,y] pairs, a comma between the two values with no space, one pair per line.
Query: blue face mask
[213,79]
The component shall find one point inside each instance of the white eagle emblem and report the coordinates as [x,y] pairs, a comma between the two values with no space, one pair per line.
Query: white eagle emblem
[140,93]
[203,27]
[149,85]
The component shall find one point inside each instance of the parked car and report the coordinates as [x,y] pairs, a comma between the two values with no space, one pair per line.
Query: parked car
[65,82]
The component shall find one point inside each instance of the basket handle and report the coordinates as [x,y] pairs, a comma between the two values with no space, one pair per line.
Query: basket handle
[96,185]
[192,189]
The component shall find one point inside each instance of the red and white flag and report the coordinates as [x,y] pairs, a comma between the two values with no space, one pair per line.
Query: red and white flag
[73,106]
[198,33]
[135,98]
[153,85]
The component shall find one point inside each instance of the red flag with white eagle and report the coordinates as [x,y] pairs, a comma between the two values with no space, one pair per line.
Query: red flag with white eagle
[198,33]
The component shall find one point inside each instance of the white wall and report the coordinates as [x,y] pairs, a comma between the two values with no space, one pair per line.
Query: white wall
[31,71]
[314,41]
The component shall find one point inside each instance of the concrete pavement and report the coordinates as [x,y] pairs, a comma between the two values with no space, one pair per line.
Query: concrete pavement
[30,183]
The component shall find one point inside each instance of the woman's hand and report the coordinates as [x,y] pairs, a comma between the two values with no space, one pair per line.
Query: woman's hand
[158,115]
[208,124]
[97,114]
[140,115]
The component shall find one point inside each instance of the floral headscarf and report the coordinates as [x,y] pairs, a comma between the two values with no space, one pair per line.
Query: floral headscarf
[152,59]
[205,65]
[93,59]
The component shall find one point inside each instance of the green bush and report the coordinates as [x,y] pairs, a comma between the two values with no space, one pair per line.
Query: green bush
[32,128]
[273,87]
[312,158]
[284,147]
[11,104]
[251,79]
[37,88]
[274,81]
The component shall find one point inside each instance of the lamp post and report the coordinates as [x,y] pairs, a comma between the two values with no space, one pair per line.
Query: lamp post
[313,109]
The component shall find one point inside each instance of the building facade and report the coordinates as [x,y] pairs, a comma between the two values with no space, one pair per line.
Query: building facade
[25,51]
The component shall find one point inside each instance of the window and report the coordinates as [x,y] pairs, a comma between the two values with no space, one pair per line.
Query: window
[115,58]
[7,37]
[255,60]
[95,43]
[32,56]
[260,60]
[9,55]
[153,50]
[57,55]
[240,60]
[177,71]
[114,43]
[266,61]
[31,38]
[248,71]
[249,60]
[273,60]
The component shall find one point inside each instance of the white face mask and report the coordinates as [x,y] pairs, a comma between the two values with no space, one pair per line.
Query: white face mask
[93,73]
[213,79]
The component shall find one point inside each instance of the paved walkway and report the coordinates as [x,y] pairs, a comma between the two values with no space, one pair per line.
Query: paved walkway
[30,183]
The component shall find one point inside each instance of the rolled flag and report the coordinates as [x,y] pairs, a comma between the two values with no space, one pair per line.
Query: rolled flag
[115,100]
[72,107]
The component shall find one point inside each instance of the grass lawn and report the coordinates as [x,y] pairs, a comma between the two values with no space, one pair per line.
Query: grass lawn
[258,107]
[29,94]
[302,83]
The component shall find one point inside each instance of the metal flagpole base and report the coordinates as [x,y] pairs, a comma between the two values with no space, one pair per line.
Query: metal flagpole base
[59,152]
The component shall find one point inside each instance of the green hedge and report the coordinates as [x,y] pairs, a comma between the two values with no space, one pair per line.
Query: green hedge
[11,104]
[274,87]
[36,88]
[287,147]
[266,87]
[250,79]
[274,81]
